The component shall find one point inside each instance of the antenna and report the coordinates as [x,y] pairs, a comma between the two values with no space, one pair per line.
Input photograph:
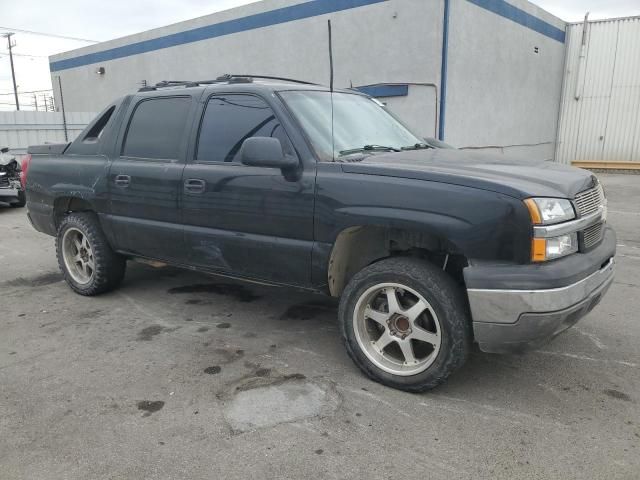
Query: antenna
[330,57]
[333,142]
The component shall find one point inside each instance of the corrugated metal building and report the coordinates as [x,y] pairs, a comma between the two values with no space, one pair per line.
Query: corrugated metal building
[600,112]
[481,74]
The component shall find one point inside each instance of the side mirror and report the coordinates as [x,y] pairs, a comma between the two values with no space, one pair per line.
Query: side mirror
[4,149]
[265,152]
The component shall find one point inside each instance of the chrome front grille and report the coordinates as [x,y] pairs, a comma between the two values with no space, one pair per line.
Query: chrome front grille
[4,181]
[592,235]
[588,201]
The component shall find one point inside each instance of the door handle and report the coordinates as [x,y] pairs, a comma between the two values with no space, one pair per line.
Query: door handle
[122,180]
[194,185]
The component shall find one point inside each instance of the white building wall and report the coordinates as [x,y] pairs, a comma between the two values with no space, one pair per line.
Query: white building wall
[502,96]
[600,112]
[391,41]
[419,109]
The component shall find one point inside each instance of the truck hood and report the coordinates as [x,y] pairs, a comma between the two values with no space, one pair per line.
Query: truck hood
[510,176]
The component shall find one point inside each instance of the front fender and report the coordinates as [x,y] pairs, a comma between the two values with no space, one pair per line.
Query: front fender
[478,224]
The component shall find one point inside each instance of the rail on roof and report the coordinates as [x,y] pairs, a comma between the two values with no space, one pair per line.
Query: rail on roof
[226,78]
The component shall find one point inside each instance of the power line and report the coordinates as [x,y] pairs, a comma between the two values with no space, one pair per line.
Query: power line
[30,91]
[32,32]
[24,55]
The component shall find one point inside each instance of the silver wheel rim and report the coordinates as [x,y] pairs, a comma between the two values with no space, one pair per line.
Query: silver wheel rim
[397,329]
[78,256]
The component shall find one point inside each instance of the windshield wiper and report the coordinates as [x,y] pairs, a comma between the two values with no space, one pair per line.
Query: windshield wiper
[417,146]
[370,148]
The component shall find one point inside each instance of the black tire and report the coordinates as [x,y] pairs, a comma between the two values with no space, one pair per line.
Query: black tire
[444,296]
[22,200]
[109,266]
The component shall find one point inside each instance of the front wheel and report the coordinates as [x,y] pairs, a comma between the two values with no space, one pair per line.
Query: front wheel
[405,323]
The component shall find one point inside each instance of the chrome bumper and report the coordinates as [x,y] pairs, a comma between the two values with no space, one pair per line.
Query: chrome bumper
[512,320]
[9,192]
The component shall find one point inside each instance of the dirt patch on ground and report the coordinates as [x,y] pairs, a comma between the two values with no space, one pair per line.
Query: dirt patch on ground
[37,281]
[618,394]
[147,333]
[309,310]
[237,292]
[150,406]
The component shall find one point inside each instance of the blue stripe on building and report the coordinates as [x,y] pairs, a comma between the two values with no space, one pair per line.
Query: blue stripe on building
[251,22]
[515,14]
[284,15]
[385,90]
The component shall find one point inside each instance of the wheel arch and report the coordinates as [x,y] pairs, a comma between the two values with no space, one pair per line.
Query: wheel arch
[67,204]
[357,246]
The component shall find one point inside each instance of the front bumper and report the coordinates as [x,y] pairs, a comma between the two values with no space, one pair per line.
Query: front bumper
[514,320]
[8,192]
[9,196]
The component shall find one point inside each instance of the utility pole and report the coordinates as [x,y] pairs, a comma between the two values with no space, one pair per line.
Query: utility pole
[13,72]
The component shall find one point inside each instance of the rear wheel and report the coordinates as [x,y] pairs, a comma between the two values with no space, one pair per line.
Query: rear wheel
[86,260]
[405,324]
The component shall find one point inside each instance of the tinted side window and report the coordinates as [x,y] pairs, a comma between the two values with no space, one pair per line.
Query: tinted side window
[157,128]
[96,131]
[229,120]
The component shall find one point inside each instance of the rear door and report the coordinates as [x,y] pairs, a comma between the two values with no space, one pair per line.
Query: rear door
[249,221]
[145,177]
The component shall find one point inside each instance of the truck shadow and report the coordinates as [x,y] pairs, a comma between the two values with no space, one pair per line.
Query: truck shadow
[308,323]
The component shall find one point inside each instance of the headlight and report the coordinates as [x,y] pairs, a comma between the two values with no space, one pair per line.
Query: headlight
[543,249]
[548,211]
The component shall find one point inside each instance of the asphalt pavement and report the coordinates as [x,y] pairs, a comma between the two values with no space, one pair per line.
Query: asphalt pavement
[186,376]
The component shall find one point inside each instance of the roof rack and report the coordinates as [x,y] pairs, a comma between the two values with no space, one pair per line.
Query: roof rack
[167,84]
[231,77]
[226,78]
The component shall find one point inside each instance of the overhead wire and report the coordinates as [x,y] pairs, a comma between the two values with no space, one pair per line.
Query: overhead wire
[53,35]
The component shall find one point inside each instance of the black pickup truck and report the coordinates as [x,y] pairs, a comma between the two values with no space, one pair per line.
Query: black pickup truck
[428,248]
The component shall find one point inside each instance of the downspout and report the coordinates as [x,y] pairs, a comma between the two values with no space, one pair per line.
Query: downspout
[64,114]
[563,94]
[581,58]
[443,69]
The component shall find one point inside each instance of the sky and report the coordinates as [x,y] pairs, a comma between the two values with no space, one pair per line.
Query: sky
[116,18]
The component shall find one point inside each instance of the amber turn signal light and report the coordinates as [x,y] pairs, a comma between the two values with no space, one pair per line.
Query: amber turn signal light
[538,250]
[534,211]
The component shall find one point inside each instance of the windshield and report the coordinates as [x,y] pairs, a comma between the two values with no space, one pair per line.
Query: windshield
[360,123]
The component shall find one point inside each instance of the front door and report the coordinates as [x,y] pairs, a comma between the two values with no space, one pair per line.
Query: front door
[249,221]
[145,178]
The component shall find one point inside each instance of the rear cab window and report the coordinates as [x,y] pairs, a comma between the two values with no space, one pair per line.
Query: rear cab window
[96,131]
[91,139]
[157,129]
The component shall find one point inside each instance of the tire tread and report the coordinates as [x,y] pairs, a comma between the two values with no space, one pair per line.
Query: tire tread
[452,303]
[110,266]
